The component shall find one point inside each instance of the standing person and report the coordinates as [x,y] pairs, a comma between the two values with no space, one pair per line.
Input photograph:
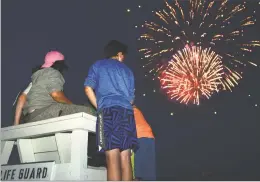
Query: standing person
[144,157]
[44,97]
[110,88]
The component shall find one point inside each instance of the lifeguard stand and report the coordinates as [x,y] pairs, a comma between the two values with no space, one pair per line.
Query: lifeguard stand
[53,149]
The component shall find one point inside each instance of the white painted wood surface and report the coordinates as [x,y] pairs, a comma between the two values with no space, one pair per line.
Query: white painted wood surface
[50,126]
[25,150]
[63,141]
[6,149]
[49,144]
[46,141]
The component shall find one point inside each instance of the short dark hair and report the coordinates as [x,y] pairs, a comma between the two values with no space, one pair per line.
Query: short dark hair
[60,66]
[114,47]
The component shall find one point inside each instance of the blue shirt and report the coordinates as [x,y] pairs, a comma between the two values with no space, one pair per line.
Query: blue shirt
[113,83]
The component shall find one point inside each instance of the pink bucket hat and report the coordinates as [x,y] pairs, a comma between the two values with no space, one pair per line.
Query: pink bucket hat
[51,57]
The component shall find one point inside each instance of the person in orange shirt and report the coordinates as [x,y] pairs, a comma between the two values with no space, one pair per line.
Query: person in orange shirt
[144,157]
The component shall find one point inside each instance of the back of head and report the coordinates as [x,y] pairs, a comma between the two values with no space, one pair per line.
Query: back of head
[55,60]
[60,66]
[113,48]
[51,60]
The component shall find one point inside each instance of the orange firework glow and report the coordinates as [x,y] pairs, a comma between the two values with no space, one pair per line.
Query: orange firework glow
[191,74]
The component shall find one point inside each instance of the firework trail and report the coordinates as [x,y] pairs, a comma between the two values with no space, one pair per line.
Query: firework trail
[220,25]
[191,74]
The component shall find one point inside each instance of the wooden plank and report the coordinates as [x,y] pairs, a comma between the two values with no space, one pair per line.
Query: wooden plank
[81,121]
[60,118]
[47,156]
[44,144]
[28,172]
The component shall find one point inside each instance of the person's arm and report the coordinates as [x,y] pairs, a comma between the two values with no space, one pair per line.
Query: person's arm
[90,85]
[19,107]
[55,87]
[91,96]
[20,104]
[60,97]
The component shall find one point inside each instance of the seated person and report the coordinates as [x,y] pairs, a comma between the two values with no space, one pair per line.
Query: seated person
[44,97]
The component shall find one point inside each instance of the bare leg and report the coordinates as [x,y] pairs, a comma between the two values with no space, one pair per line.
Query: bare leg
[127,174]
[113,165]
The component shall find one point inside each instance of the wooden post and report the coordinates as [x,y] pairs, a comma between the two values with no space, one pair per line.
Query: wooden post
[79,154]
[25,150]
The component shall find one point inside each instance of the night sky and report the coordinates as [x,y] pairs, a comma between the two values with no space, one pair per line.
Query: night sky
[219,138]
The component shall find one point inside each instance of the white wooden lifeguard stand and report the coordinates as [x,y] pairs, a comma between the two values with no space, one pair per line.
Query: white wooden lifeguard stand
[59,145]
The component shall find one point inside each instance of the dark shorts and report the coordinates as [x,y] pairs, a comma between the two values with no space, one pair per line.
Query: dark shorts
[116,129]
[145,165]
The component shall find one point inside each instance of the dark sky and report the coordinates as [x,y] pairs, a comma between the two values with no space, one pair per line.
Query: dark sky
[191,141]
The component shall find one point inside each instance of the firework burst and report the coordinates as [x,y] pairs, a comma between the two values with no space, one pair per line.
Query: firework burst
[220,25]
[191,74]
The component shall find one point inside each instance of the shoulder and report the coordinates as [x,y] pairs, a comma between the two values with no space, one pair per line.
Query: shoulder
[49,71]
[52,72]
[97,64]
